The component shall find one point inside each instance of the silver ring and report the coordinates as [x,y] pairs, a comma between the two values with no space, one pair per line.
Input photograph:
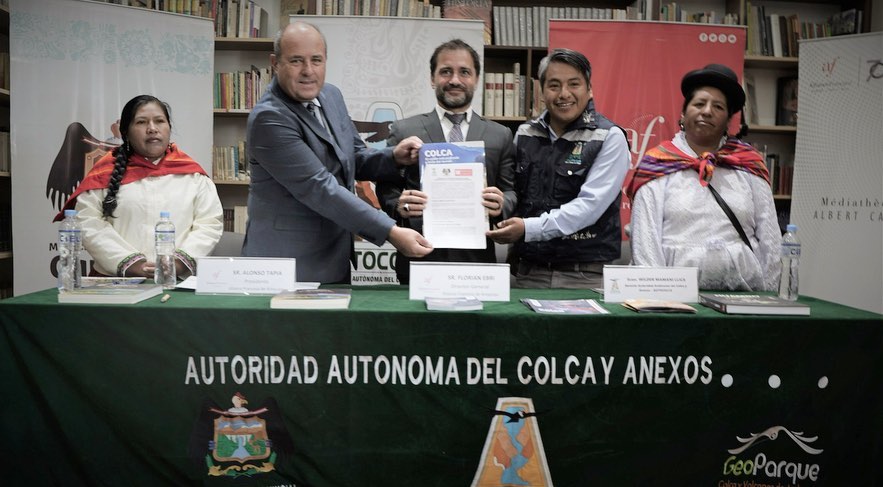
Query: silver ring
[407,207]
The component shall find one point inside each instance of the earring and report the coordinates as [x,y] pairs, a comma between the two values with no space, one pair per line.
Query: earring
[681,124]
[128,149]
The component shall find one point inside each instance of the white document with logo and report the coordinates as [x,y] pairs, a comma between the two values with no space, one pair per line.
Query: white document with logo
[453,175]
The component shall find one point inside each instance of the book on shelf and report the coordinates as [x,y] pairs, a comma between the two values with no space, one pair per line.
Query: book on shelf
[752,304]
[470,9]
[749,112]
[846,22]
[508,95]
[489,103]
[786,100]
[464,303]
[772,165]
[4,151]
[111,291]
[657,306]
[565,306]
[311,299]
[498,94]
[240,219]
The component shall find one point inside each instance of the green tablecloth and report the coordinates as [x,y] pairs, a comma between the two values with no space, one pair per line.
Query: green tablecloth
[389,394]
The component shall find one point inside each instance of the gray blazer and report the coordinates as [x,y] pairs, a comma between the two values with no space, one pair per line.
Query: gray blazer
[500,166]
[301,202]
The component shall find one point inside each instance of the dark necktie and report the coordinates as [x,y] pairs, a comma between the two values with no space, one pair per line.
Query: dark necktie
[311,107]
[456,135]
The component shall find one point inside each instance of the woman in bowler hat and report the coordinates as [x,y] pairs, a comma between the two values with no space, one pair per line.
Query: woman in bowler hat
[703,199]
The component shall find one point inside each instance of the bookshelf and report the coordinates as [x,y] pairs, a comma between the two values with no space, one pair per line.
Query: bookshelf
[764,70]
[239,53]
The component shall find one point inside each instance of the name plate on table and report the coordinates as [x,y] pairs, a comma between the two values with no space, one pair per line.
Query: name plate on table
[487,282]
[244,275]
[623,282]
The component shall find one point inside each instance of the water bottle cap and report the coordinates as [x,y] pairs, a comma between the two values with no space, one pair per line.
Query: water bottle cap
[163,214]
[791,227]
[68,213]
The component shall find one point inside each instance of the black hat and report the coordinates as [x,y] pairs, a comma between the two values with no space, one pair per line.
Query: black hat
[717,76]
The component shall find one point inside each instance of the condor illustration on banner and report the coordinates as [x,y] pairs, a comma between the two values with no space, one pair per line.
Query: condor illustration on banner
[637,71]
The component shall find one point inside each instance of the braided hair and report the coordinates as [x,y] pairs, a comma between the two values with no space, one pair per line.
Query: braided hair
[121,154]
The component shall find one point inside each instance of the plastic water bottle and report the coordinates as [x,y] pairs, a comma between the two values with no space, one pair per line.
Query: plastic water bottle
[790,261]
[69,246]
[164,236]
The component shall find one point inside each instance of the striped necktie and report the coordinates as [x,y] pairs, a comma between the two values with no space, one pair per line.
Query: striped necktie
[456,135]
[311,107]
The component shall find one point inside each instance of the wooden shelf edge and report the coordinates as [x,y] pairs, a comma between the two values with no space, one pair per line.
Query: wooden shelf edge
[507,119]
[768,62]
[782,197]
[232,112]
[243,44]
[226,182]
[772,129]
[5,174]
[6,254]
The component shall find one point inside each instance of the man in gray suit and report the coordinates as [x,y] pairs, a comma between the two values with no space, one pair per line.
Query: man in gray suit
[454,71]
[305,155]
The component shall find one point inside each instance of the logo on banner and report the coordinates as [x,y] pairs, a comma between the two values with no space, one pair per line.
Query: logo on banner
[79,151]
[777,462]
[513,451]
[875,69]
[239,441]
[828,67]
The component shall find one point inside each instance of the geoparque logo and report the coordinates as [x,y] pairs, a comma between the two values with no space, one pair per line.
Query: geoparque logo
[758,465]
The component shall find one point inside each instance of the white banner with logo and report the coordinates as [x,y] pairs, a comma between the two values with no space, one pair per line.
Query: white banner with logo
[74,64]
[837,200]
[381,64]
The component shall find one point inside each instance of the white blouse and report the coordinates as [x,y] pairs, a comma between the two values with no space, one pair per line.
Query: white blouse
[677,222]
[191,199]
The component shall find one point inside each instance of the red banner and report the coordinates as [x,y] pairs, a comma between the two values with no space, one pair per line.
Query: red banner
[637,69]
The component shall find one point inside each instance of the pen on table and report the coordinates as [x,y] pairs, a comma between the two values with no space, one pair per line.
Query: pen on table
[165,298]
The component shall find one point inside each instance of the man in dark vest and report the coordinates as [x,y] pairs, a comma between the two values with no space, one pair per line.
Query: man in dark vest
[570,165]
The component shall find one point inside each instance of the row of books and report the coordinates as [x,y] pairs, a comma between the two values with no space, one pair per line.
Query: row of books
[778,35]
[781,172]
[237,18]
[672,12]
[186,7]
[235,219]
[230,163]
[4,152]
[504,94]
[376,8]
[240,90]
[529,26]
[233,18]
